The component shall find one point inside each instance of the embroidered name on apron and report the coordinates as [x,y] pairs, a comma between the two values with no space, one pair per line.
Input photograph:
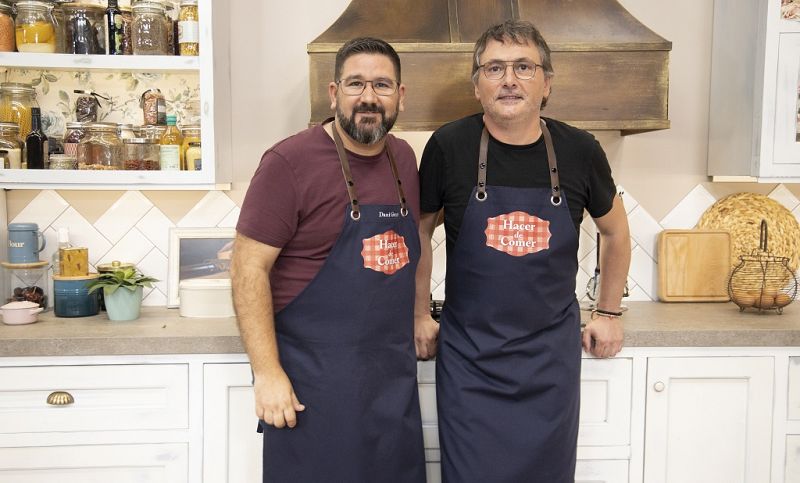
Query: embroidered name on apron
[517,233]
[386,252]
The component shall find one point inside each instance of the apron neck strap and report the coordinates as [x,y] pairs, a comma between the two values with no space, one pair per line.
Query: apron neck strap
[355,211]
[555,189]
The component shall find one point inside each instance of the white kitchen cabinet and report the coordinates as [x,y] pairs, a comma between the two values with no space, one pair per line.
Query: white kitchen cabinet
[793,407]
[212,71]
[755,71]
[793,459]
[231,446]
[601,471]
[709,419]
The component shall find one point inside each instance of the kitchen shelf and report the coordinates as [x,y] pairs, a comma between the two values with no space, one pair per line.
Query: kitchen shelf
[78,62]
[107,180]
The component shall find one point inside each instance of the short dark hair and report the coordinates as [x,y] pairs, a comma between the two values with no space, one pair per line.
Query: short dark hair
[365,45]
[519,32]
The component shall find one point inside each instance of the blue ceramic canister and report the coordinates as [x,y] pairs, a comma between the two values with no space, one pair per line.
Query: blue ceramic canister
[72,297]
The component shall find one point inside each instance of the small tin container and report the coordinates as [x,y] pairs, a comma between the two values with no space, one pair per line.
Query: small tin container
[72,297]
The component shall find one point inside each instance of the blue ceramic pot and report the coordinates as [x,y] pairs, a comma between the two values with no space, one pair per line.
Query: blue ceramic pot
[72,298]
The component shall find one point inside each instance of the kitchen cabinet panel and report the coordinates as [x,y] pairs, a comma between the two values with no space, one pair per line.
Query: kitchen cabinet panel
[792,459]
[105,398]
[601,471]
[708,420]
[793,408]
[605,418]
[126,463]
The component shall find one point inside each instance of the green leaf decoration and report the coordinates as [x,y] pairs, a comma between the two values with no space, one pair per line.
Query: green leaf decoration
[50,78]
[130,278]
[63,96]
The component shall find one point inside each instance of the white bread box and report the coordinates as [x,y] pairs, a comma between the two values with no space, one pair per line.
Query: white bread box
[206,297]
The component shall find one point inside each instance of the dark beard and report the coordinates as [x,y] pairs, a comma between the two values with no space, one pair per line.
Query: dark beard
[365,132]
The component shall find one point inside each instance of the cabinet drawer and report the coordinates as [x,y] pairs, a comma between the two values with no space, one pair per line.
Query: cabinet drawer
[793,409]
[126,463]
[601,471]
[605,402]
[106,398]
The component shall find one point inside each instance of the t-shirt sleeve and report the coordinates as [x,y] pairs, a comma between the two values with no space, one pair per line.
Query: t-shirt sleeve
[602,188]
[270,209]
[431,177]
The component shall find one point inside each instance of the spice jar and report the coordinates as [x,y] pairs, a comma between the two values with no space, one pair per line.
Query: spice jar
[154,107]
[125,131]
[63,161]
[72,136]
[35,27]
[7,43]
[12,144]
[189,28]
[193,157]
[150,29]
[84,29]
[191,134]
[16,101]
[100,148]
[141,154]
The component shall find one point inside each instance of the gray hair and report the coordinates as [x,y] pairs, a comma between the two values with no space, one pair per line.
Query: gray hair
[518,32]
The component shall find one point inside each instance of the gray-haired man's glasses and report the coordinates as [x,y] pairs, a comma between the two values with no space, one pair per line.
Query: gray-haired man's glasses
[496,70]
[355,87]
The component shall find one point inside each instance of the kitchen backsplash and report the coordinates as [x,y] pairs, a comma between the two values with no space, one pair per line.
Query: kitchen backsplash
[135,230]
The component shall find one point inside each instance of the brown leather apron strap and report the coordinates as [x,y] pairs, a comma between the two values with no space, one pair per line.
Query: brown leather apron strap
[398,182]
[555,188]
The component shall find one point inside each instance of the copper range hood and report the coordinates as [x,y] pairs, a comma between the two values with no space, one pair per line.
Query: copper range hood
[612,72]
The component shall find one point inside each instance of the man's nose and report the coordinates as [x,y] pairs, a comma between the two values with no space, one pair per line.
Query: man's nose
[369,91]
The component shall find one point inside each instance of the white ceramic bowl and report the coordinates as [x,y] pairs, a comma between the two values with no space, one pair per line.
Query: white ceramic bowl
[18,313]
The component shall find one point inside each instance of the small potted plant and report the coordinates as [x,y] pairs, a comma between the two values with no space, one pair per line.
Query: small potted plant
[122,304]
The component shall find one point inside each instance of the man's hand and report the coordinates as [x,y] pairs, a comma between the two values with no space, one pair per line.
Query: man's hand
[603,336]
[426,333]
[276,402]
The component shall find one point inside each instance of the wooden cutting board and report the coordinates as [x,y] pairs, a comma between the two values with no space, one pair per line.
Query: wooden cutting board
[694,265]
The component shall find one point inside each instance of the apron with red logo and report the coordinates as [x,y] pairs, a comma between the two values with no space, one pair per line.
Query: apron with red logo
[508,365]
[347,344]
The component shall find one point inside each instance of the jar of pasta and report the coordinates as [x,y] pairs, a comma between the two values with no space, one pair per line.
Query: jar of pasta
[16,101]
[7,43]
[35,27]
[100,148]
[12,144]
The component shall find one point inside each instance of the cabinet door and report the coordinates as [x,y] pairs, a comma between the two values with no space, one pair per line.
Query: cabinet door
[231,446]
[793,407]
[786,152]
[605,402]
[708,420]
[600,471]
[123,463]
[793,458]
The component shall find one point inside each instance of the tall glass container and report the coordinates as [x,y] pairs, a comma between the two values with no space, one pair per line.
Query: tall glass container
[100,148]
[7,43]
[35,27]
[84,29]
[150,29]
[189,28]
[16,101]
[12,144]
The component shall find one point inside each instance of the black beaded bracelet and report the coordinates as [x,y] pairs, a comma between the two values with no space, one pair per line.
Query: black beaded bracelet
[606,313]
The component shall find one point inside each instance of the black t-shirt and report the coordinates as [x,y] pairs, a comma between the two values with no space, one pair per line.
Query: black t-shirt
[449,170]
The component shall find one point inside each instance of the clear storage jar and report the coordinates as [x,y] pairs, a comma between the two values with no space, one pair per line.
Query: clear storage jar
[150,30]
[7,43]
[72,137]
[26,282]
[191,134]
[125,131]
[63,161]
[12,144]
[16,101]
[35,27]
[101,148]
[84,29]
[141,154]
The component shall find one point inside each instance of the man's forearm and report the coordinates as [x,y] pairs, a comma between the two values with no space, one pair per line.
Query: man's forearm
[615,258]
[254,313]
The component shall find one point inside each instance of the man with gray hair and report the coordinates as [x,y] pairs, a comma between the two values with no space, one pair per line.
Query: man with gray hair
[513,187]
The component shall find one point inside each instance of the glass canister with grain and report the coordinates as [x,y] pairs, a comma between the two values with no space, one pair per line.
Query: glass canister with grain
[101,148]
[7,43]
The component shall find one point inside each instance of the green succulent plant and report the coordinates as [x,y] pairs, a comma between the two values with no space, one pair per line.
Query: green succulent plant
[130,278]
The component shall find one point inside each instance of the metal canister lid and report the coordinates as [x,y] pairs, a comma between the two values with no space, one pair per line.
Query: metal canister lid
[115,265]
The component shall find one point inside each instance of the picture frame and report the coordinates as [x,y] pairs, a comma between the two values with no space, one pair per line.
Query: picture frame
[197,253]
[786,145]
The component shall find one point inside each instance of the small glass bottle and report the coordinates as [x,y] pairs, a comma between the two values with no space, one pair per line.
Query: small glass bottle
[63,242]
[36,146]
[35,27]
[170,153]
[12,143]
[113,28]
[189,28]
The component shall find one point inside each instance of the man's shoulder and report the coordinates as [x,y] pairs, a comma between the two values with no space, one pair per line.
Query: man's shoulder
[454,132]
[297,145]
[561,130]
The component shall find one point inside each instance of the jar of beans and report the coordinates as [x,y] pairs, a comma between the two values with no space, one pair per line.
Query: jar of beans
[101,148]
[141,154]
[7,43]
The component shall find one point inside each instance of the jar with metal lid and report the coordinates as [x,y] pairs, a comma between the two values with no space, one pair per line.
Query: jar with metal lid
[125,131]
[100,148]
[16,101]
[191,134]
[188,28]
[72,137]
[12,143]
[152,132]
[141,154]
[126,44]
[84,29]
[63,161]
[26,282]
[35,27]
[150,30]
[7,43]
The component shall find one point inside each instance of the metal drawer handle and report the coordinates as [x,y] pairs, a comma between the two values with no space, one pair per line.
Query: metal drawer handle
[659,386]
[60,398]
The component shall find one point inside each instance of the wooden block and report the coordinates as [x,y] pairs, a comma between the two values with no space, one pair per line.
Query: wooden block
[693,265]
[74,262]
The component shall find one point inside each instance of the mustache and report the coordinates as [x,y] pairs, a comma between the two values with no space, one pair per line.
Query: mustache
[369,107]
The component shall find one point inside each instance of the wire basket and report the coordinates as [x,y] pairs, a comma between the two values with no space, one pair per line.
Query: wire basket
[762,281]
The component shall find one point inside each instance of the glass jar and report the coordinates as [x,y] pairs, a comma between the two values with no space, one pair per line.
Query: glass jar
[16,101]
[35,27]
[84,29]
[26,282]
[100,148]
[86,106]
[154,107]
[7,43]
[150,29]
[141,154]
[63,161]
[72,137]
[125,131]
[126,45]
[12,144]
[193,157]
[151,132]
[189,28]
[191,134]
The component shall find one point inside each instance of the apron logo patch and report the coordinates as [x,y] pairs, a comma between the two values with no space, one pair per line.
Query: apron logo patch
[517,233]
[386,252]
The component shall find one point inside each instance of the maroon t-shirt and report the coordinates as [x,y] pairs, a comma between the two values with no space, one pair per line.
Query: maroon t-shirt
[297,198]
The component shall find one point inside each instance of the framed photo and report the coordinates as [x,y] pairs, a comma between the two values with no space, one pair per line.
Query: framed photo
[197,253]
[786,143]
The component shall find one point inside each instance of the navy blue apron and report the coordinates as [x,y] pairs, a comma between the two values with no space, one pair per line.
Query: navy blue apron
[508,365]
[347,344]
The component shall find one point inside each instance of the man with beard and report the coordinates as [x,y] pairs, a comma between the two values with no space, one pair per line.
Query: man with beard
[323,282]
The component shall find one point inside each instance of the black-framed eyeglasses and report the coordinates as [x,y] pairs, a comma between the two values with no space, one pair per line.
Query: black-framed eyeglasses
[355,87]
[496,69]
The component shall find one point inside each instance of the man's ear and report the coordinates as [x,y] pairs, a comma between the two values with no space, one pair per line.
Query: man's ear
[332,94]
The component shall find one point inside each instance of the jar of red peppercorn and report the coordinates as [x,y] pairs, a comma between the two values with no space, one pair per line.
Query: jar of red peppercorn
[72,136]
[141,154]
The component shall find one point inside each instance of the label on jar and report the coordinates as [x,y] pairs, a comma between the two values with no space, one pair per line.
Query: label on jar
[193,162]
[170,157]
[71,149]
[188,32]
